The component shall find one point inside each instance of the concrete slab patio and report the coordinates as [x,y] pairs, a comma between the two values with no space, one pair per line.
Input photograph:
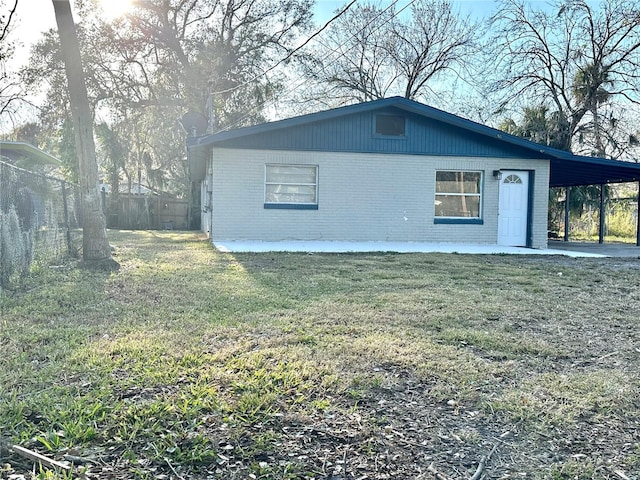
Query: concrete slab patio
[619,250]
[397,247]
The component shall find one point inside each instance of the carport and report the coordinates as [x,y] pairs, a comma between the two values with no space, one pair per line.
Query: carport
[568,170]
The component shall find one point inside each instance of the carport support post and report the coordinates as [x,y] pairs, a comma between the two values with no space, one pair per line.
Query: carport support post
[567,192]
[602,214]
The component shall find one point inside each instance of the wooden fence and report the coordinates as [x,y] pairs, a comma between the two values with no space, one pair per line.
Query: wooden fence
[146,212]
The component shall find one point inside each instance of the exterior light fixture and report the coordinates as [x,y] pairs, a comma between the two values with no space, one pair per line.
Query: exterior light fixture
[497,174]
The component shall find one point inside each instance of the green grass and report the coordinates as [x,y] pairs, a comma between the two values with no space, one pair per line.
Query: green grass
[193,361]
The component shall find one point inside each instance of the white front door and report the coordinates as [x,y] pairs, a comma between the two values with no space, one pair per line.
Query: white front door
[513,210]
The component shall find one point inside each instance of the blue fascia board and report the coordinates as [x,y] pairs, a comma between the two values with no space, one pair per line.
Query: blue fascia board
[374,152]
[616,170]
[398,102]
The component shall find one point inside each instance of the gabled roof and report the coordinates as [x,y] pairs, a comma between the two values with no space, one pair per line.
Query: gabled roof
[567,169]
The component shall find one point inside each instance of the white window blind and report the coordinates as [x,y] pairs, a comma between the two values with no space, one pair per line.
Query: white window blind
[291,184]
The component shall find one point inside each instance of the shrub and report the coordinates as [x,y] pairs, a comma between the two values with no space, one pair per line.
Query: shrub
[16,248]
[621,220]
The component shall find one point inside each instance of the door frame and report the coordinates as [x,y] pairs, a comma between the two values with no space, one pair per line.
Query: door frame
[530,202]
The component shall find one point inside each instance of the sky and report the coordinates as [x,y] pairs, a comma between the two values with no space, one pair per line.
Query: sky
[29,27]
[36,16]
[33,17]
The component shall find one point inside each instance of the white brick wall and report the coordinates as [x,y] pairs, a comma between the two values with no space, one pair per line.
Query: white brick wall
[361,197]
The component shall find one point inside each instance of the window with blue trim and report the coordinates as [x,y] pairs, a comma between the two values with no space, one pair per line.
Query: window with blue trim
[458,196]
[291,186]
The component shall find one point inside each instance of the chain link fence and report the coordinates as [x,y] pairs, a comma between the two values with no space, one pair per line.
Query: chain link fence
[39,222]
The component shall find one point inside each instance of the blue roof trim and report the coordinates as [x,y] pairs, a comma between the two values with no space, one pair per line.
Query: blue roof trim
[397,102]
[567,169]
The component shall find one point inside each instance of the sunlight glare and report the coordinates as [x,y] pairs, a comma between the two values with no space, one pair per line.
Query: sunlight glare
[113,9]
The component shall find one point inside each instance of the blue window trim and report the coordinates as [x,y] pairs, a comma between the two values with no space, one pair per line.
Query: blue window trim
[458,221]
[377,136]
[291,206]
[463,220]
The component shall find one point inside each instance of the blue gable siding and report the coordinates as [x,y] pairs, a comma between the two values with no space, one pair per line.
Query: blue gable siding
[429,131]
[356,133]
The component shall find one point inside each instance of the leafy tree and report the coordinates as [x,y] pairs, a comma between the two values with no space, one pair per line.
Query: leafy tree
[166,57]
[113,153]
[95,245]
[538,126]
[574,59]
[219,47]
[55,124]
[27,132]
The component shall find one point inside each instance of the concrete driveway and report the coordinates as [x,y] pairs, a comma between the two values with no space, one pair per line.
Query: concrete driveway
[607,249]
[403,247]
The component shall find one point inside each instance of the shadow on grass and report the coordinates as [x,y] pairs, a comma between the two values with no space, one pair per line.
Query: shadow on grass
[187,353]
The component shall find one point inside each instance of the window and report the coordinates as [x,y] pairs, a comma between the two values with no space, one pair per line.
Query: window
[390,125]
[458,195]
[513,179]
[291,186]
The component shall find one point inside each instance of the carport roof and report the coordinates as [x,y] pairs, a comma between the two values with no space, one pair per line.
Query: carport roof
[573,170]
[566,168]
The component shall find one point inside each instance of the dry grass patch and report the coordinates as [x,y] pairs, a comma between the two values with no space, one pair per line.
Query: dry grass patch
[552,399]
[193,363]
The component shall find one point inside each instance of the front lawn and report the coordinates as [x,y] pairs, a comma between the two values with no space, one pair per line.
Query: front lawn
[190,363]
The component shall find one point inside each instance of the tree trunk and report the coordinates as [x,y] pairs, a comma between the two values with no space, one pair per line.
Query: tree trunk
[95,245]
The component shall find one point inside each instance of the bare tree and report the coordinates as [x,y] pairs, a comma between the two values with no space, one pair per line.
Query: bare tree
[10,89]
[579,61]
[375,51]
[354,61]
[6,16]
[436,41]
[95,245]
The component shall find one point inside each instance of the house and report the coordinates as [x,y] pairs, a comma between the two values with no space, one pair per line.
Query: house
[390,170]
[25,155]
[23,194]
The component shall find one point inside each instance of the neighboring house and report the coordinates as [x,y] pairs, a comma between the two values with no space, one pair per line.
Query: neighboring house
[27,198]
[386,170]
[25,155]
